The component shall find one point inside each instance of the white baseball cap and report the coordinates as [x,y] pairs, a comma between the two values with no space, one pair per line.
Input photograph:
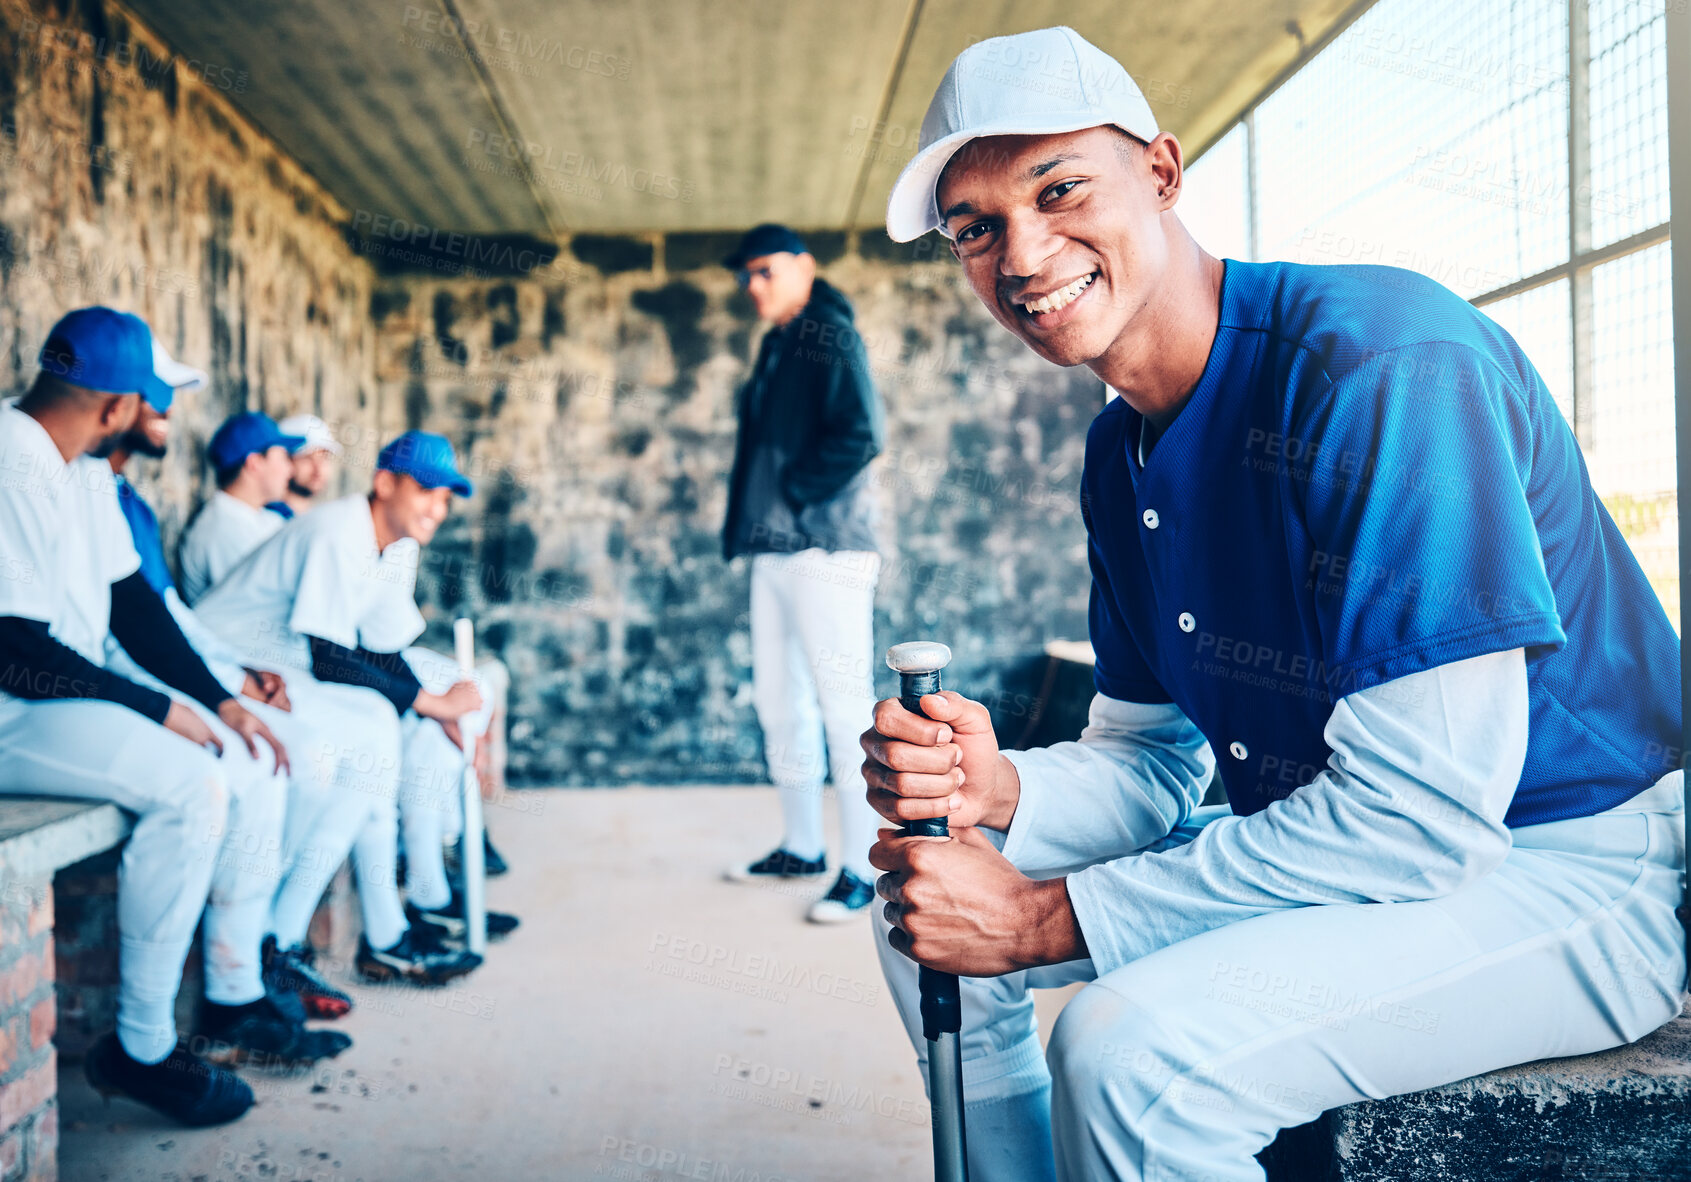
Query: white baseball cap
[176,374]
[317,435]
[1044,82]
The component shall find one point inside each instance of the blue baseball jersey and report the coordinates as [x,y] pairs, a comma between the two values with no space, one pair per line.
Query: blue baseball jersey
[1370,479]
[144,528]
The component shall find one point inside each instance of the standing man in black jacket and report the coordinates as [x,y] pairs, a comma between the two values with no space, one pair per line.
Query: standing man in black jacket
[799,502]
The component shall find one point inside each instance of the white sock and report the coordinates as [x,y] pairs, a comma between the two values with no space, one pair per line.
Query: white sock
[146,1004]
[801,812]
[1010,1139]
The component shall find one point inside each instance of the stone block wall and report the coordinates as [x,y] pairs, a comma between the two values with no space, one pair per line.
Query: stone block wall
[129,178]
[29,1113]
[593,405]
[590,393]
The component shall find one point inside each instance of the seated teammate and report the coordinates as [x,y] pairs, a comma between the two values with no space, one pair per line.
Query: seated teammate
[230,527]
[251,456]
[331,596]
[312,465]
[204,795]
[345,741]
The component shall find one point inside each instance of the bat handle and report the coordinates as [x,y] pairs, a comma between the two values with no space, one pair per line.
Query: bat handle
[942,1003]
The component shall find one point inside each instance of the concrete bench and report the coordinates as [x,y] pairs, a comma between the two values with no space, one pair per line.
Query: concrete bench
[39,838]
[1617,1116]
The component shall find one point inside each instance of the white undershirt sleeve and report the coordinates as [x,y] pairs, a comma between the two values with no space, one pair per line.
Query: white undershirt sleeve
[1410,807]
[1137,771]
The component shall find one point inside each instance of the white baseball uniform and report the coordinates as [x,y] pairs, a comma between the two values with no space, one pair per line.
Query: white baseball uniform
[343,741]
[65,542]
[1378,932]
[224,531]
[322,575]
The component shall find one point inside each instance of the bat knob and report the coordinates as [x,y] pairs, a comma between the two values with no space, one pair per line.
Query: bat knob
[918,656]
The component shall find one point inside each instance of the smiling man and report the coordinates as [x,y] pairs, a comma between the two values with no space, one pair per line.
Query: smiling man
[1344,545]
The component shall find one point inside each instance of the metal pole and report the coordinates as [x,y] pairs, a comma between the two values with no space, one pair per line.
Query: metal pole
[1679,193]
[474,860]
[918,663]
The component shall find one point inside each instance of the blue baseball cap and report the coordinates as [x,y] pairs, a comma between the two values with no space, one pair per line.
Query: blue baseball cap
[426,458]
[243,434]
[766,239]
[103,349]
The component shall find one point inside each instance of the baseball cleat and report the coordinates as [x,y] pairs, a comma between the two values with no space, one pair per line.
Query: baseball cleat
[262,1033]
[449,920]
[492,864]
[416,958]
[182,1086]
[294,971]
[779,864]
[849,897]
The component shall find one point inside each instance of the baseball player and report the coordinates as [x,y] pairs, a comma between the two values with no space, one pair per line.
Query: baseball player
[196,769]
[252,459]
[331,597]
[344,739]
[312,464]
[230,536]
[1343,546]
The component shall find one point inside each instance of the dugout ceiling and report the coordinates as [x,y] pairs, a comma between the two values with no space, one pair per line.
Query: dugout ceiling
[672,115]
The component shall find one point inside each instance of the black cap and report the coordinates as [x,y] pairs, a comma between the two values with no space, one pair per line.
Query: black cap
[768,238]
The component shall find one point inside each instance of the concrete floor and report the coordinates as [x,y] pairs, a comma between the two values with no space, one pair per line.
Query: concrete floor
[590,1045]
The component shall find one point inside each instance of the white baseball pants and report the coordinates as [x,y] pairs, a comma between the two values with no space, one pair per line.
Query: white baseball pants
[813,684]
[1187,1062]
[345,745]
[432,774]
[179,795]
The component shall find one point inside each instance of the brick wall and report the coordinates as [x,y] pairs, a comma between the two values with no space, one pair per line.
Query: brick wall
[29,1114]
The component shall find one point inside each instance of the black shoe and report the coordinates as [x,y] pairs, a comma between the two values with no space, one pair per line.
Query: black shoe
[294,971]
[491,862]
[183,1086]
[416,958]
[849,898]
[779,864]
[263,1034]
[450,923]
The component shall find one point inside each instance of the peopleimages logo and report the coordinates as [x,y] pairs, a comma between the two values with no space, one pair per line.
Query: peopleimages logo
[544,161]
[423,241]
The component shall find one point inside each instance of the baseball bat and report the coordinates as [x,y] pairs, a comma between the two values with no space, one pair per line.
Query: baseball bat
[474,860]
[918,664]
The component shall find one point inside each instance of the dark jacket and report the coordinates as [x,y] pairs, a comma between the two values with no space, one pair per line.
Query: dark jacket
[810,422]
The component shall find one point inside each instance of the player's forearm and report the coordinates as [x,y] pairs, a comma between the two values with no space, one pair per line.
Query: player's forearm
[1411,807]
[148,633]
[36,666]
[386,673]
[1137,772]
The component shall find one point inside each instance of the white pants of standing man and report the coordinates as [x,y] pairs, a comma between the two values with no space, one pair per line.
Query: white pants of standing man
[813,661]
[431,783]
[1183,1064]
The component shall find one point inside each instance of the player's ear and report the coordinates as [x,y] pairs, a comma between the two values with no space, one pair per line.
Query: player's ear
[119,412]
[382,484]
[1168,168]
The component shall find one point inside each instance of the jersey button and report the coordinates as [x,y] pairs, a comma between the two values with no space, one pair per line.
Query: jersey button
[1150,519]
[1187,623]
[1238,749]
